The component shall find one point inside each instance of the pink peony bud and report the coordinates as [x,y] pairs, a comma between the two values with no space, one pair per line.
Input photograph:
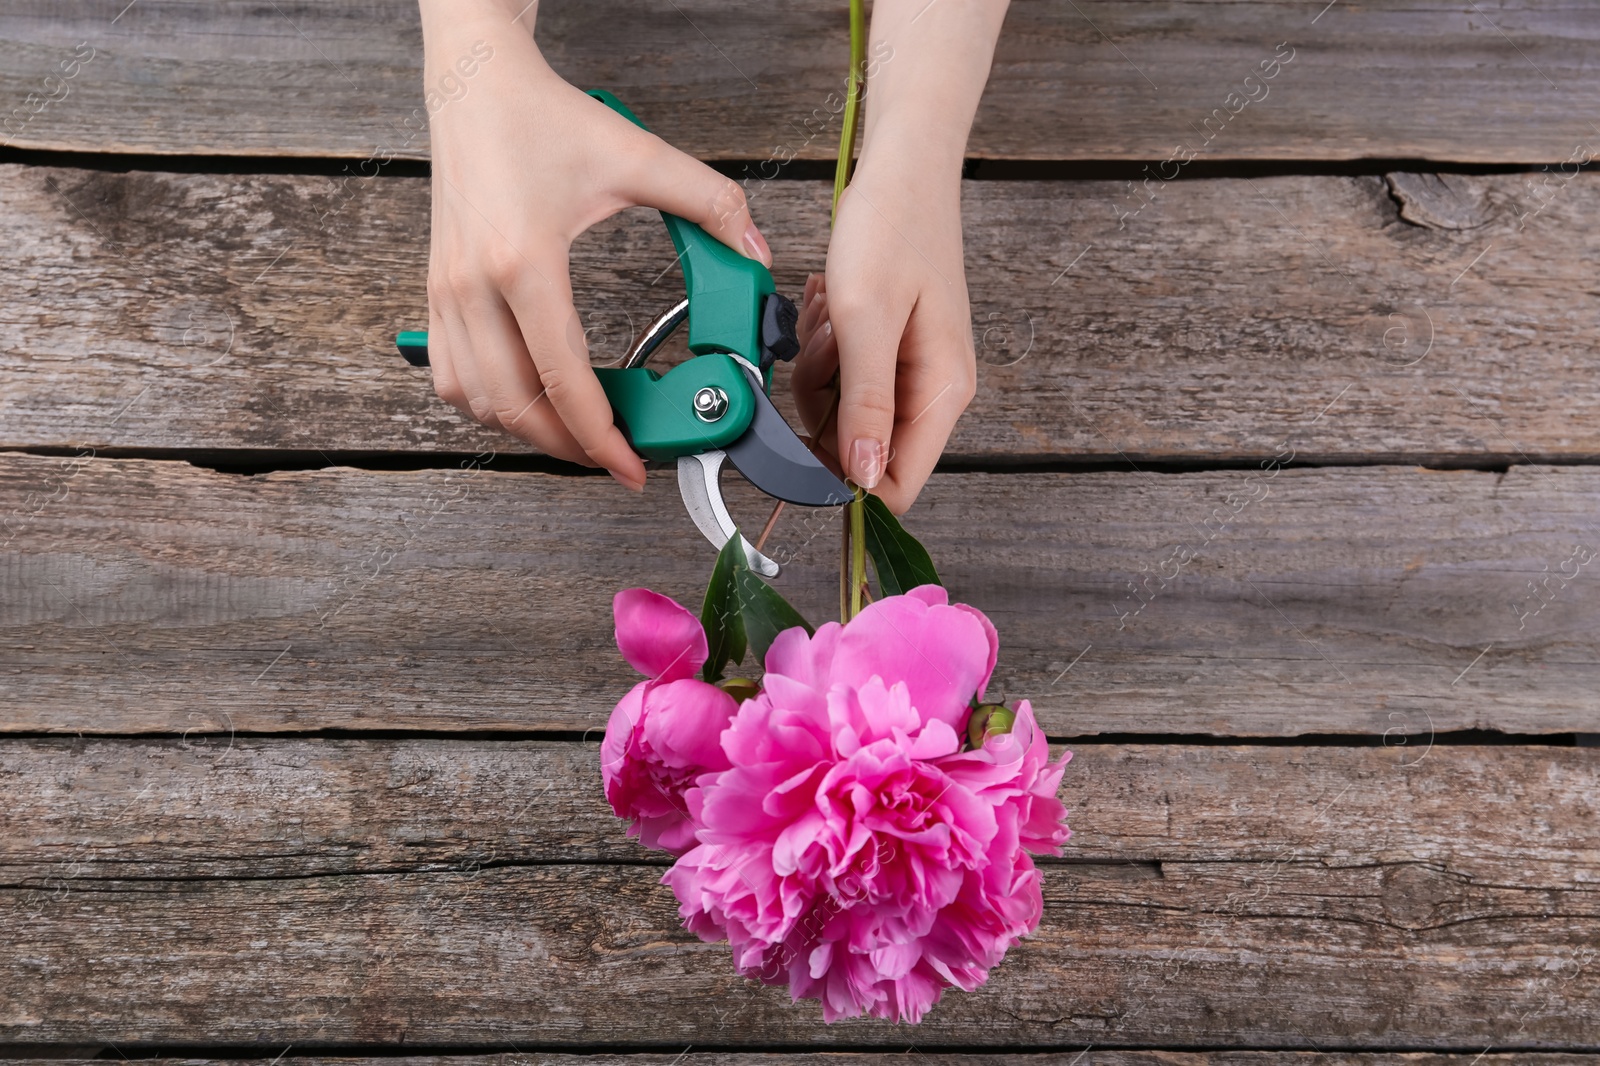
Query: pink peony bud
[665,733]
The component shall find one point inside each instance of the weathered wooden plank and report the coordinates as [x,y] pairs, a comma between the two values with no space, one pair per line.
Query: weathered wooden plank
[1092,80]
[1212,954]
[141,595]
[1099,1057]
[238,807]
[1227,319]
[1303,897]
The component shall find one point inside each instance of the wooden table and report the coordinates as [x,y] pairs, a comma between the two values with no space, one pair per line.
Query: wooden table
[304,675]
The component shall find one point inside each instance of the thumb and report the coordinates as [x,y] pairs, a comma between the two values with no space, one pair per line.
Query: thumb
[867,332]
[679,184]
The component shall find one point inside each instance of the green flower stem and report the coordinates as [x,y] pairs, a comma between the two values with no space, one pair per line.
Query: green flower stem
[844,565]
[858,550]
[853,543]
[853,548]
[852,100]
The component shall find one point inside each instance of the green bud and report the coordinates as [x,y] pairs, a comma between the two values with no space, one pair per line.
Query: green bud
[740,688]
[989,720]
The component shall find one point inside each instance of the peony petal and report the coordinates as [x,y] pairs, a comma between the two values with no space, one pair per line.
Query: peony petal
[657,636]
[912,995]
[786,722]
[994,644]
[672,833]
[683,723]
[894,961]
[803,658]
[935,740]
[795,840]
[943,654]
[618,740]
[624,722]
[879,710]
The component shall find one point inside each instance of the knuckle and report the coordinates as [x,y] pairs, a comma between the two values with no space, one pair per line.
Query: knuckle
[482,409]
[852,303]
[449,390]
[460,283]
[512,416]
[636,155]
[965,384]
[503,266]
[556,382]
[872,403]
[438,289]
[510,408]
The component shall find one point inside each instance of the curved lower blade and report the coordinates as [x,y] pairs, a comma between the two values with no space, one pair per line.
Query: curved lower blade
[700,486]
[775,461]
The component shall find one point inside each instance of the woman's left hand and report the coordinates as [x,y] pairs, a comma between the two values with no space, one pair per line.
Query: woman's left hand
[891,319]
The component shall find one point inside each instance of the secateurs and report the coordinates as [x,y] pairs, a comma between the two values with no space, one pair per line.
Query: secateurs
[715,405]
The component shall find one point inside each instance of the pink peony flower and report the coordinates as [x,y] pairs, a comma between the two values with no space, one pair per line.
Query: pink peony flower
[849,847]
[663,735]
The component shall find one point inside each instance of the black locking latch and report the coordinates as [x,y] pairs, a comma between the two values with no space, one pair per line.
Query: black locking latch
[778,338]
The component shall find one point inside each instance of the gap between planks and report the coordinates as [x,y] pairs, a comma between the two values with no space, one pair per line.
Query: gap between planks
[1208,328]
[974,168]
[730,1055]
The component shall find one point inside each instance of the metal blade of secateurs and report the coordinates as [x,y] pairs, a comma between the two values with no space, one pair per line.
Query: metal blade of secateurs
[775,461]
[699,478]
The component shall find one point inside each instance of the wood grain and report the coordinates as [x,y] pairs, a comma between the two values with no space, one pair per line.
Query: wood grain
[1277,897]
[558,955]
[1418,319]
[727,79]
[1100,1057]
[140,596]
[221,807]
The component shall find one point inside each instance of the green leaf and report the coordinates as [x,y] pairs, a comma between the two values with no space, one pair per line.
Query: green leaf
[741,612]
[720,616]
[900,561]
[765,612]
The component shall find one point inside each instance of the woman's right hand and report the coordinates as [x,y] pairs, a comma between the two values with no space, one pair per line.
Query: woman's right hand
[523,163]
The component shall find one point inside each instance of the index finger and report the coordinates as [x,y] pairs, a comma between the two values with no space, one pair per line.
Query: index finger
[554,336]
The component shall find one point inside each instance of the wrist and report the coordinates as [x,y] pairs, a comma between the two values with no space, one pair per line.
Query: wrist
[454,19]
[914,148]
[926,69]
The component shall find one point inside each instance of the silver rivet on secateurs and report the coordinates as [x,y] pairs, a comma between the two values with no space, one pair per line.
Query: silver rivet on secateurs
[710,404]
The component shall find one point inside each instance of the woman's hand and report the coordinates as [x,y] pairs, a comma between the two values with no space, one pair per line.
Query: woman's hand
[522,164]
[895,298]
[891,318]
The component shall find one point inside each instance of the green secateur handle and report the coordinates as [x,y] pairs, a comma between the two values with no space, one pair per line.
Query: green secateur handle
[707,402]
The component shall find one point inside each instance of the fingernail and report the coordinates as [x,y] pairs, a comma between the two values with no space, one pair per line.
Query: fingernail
[866,462]
[631,485]
[757,245]
[810,290]
[813,314]
[818,338]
